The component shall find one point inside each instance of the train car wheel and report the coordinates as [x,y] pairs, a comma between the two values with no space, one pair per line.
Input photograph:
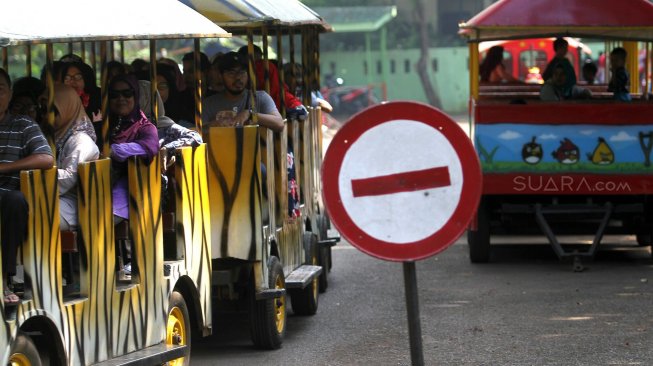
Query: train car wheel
[24,352]
[268,317]
[178,330]
[479,240]
[305,301]
[644,240]
[324,254]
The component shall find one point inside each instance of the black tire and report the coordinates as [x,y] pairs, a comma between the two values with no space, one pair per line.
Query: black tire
[267,318]
[305,301]
[323,259]
[479,240]
[329,258]
[644,239]
[24,352]
[178,330]
[324,253]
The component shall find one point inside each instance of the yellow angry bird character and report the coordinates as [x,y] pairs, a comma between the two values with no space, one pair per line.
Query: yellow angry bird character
[603,154]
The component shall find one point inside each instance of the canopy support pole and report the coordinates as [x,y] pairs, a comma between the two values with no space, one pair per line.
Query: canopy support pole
[473,70]
[632,65]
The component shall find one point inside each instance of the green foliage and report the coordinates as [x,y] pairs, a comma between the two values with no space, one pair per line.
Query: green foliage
[555,167]
[487,157]
[174,49]
[402,31]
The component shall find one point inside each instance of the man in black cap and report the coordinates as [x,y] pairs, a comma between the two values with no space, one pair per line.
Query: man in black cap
[233,106]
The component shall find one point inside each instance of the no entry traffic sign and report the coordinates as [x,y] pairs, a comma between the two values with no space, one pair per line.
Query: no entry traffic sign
[401,181]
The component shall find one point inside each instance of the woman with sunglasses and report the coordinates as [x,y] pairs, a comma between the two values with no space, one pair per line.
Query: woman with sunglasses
[130,134]
[74,139]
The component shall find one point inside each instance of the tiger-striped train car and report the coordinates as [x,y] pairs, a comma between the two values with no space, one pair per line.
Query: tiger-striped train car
[107,317]
[201,246]
[260,251]
[94,314]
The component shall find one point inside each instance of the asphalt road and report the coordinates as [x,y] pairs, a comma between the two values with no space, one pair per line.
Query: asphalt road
[524,308]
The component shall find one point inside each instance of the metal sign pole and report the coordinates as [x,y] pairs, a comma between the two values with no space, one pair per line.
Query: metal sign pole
[412,307]
[446,184]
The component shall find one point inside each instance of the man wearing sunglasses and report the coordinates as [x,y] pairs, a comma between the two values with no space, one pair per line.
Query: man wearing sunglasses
[22,147]
[233,106]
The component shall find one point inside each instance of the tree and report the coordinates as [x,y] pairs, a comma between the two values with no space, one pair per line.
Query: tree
[422,63]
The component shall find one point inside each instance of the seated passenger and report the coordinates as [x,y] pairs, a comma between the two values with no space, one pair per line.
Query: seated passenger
[213,75]
[140,68]
[81,77]
[25,148]
[589,72]
[178,77]
[232,107]
[167,85]
[171,134]
[620,80]
[25,99]
[554,88]
[74,139]
[185,100]
[560,46]
[492,69]
[294,76]
[130,134]
[292,105]
[115,68]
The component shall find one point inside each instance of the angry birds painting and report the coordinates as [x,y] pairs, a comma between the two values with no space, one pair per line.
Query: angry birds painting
[580,148]
[531,152]
[602,154]
[567,152]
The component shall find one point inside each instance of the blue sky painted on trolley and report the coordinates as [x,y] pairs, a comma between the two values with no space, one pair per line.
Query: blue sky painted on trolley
[511,137]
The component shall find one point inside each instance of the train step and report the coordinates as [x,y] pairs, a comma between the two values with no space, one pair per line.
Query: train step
[171,267]
[332,239]
[302,276]
[155,355]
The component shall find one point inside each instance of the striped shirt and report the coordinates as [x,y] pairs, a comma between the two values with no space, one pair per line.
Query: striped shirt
[19,137]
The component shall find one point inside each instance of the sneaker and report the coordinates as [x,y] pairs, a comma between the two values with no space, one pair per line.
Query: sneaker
[127,269]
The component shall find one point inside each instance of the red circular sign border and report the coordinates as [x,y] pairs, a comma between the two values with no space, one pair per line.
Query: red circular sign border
[469,196]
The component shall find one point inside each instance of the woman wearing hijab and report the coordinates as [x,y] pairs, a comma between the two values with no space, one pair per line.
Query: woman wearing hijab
[74,138]
[131,134]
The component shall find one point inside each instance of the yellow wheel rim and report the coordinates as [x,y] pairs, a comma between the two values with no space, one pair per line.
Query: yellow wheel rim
[176,332]
[19,359]
[280,307]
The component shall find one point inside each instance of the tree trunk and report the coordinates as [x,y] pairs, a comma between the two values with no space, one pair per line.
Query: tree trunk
[423,62]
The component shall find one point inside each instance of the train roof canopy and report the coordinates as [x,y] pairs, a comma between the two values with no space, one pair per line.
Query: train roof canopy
[240,15]
[608,19]
[37,21]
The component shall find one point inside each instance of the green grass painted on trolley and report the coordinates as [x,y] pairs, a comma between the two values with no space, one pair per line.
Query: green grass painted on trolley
[555,167]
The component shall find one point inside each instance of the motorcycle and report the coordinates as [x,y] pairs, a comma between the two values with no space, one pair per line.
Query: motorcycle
[348,100]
